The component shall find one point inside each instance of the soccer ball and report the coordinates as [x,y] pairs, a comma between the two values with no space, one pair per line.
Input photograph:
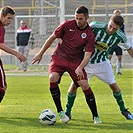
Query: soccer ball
[47,117]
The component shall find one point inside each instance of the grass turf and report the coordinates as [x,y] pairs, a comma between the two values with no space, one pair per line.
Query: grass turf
[27,96]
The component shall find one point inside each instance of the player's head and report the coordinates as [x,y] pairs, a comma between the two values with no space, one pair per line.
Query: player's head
[22,23]
[114,24]
[117,12]
[81,16]
[6,15]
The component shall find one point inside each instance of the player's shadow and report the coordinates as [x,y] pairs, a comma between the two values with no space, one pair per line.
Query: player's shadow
[89,125]
[20,121]
[78,124]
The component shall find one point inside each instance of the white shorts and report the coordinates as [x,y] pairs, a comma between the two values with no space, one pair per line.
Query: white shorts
[101,70]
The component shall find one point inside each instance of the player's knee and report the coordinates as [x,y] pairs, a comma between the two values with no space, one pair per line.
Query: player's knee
[73,85]
[72,89]
[114,87]
[54,77]
[84,84]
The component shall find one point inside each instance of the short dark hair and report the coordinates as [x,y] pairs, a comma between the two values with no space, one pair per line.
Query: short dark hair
[118,20]
[7,9]
[82,9]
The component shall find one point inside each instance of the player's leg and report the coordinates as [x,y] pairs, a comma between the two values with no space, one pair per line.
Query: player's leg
[71,95]
[2,82]
[90,99]
[89,96]
[110,56]
[119,59]
[118,96]
[108,77]
[118,66]
[55,73]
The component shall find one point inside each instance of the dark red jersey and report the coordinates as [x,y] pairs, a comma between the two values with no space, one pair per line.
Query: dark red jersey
[2,33]
[2,73]
[75,41]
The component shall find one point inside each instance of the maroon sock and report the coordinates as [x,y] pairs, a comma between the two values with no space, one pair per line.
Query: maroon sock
[90,99]
[55,92]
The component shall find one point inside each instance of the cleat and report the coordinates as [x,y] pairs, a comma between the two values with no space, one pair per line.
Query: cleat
[69,115]
[63,117]
[97,120]
[127,114]
[119,73]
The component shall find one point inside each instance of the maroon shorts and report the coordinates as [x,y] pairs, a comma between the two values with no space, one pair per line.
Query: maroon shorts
[61,65]
[2,76]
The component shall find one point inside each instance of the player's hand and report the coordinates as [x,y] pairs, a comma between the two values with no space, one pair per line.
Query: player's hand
[79,73]
[21,57]
[60,40]
[37,58]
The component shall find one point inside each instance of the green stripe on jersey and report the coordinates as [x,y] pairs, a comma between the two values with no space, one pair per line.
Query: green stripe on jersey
[104,41]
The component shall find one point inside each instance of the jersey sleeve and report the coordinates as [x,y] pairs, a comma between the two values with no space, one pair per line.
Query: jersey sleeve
[92,24]
[59,31]
[125,46]
[90,42]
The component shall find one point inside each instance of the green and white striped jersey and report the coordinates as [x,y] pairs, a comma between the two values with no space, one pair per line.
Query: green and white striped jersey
[104,41]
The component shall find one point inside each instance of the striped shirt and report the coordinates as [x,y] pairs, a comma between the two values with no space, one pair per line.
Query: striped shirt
[104,41]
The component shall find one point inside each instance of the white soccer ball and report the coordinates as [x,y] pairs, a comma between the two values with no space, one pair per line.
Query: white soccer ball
[47,117]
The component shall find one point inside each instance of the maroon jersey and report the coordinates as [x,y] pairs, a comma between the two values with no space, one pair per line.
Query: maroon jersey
[75,41]
[2,33]
[2,73]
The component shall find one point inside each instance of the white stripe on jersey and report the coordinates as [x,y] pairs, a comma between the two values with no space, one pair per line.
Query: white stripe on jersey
[2,75]
[98,34]
[122,35]
[24,31]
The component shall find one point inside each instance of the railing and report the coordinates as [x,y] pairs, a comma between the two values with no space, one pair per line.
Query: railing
[29,9]
[94,6]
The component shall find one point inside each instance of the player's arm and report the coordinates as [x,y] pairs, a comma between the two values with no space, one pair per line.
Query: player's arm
[127,47]
[47,44]
[130,52]
[84,62]
[5,48]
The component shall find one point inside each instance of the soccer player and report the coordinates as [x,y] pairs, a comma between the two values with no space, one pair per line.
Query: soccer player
[116,48]
[69,56]
[6,17]
[106,36]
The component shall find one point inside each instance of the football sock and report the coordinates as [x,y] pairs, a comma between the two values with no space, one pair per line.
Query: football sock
[90,99]
[55,92]
[2,93]
[70,102]
[119,100]
[118,67]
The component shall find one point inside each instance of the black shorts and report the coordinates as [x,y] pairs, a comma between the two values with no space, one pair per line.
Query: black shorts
[116,49]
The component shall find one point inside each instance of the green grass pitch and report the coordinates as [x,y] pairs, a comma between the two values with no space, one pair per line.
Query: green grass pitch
[27,96]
